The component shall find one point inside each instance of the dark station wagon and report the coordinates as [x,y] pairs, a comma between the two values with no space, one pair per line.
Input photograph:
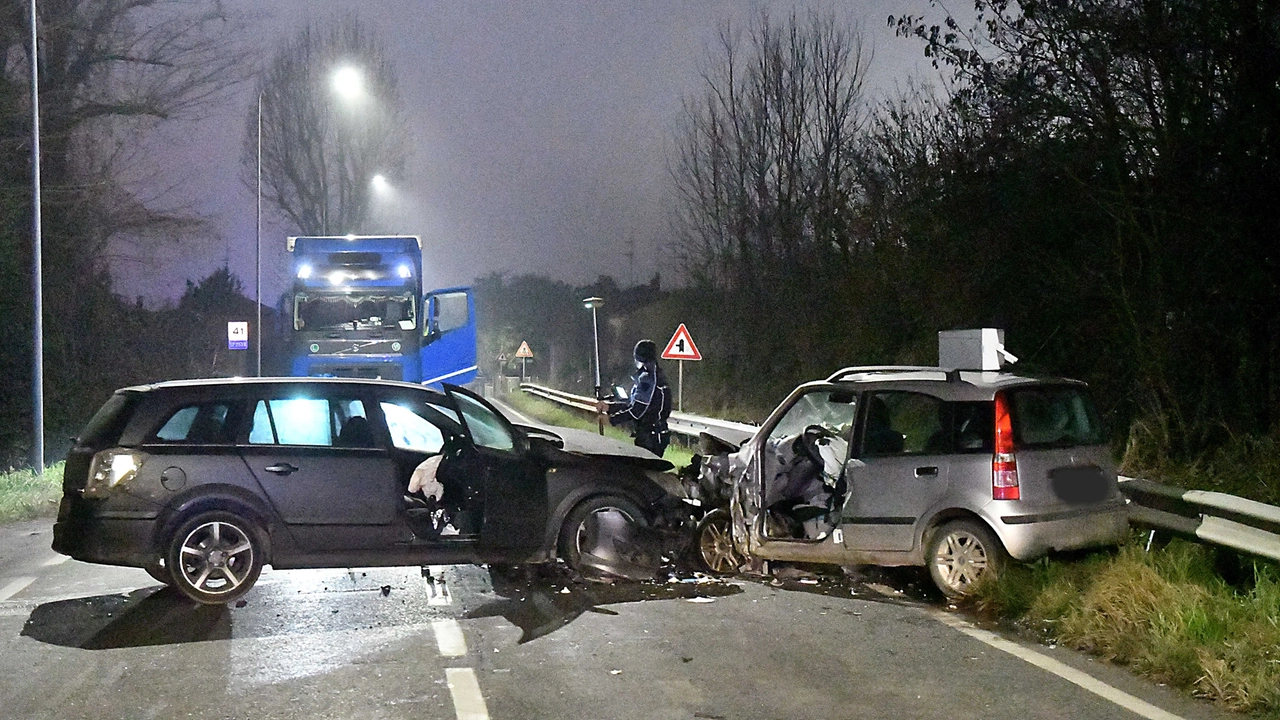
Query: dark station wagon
[203,482]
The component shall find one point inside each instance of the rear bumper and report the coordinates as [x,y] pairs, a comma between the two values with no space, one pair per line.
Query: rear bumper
[110,539]
[1029,536]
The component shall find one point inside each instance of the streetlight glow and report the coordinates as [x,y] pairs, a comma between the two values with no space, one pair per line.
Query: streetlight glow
[380,184]
[348,83]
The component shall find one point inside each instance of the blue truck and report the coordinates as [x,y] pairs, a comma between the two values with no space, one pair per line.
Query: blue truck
[359,310]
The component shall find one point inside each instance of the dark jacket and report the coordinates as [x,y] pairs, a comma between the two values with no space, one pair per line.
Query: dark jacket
[650,400]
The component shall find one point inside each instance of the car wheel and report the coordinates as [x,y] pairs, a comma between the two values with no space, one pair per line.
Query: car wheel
[159,571]
[215,557]
[575,525]
[960,553]
[714,543]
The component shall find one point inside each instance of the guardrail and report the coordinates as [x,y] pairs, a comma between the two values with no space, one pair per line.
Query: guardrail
[680,423]
[1212,517]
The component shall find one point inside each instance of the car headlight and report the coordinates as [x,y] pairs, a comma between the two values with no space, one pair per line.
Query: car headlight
[111,468]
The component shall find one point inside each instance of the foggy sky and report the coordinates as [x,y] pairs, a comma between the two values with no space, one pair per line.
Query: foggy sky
[540,132]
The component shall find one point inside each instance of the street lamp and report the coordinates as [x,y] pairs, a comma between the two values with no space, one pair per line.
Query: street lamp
[380,184]
[591,304]
[348,83]
[37,274]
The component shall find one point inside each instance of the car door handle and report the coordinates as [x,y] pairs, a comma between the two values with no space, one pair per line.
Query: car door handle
[927,470]
[281,469]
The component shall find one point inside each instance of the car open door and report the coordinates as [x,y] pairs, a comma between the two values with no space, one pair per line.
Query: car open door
[514,484]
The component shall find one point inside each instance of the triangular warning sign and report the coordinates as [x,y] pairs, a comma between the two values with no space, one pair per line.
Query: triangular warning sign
[681,346]
[524,351]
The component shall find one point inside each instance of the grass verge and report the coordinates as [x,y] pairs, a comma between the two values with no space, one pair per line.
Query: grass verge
[25,494]
[1167,614]
[553,414]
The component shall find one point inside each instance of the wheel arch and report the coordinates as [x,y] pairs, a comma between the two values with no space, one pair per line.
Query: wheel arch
[228,498]
[942,517]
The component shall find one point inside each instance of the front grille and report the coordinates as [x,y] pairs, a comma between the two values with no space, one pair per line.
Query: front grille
[385,371]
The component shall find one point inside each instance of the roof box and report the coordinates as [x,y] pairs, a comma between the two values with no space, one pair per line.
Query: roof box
[981,349]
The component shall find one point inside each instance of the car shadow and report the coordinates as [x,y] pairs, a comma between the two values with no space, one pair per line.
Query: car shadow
[541,600]
[148,616]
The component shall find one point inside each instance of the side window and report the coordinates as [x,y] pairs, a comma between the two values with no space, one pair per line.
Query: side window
[974,427]
[833,410]
[903,423]
[207,423]
[450,312]
[410,430]
[311,421]
[487,430]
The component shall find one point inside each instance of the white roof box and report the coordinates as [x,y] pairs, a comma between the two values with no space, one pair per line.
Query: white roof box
[981,349]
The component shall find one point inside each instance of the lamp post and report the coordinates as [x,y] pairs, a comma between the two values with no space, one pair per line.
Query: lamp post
[37,274]
[591,304]
[257,267]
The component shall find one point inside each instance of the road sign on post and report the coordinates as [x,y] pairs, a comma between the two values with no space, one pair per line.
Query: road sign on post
[525,354]
[681,348]
[237,336]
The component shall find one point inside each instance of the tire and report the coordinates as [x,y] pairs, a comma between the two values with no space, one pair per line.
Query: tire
[215,557]
[713,544]
[961,552]
[572,530]
[159,571]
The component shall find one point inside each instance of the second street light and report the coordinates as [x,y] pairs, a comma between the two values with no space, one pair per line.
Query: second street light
[591,304]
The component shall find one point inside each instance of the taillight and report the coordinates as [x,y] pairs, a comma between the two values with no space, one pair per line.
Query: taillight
[1004,466]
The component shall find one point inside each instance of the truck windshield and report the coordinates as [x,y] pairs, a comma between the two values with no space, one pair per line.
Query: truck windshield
[363,312]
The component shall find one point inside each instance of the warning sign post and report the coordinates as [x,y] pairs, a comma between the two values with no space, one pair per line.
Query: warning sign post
[525,353]
[681,348]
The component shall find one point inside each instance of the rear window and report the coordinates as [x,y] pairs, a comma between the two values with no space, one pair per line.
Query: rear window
[106,425]
[203,423]
[1054,416]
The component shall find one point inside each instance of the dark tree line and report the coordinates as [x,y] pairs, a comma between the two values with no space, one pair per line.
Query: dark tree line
[1099,179]
[111,71]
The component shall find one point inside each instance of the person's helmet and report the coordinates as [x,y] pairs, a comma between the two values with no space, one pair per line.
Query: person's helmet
[646,351]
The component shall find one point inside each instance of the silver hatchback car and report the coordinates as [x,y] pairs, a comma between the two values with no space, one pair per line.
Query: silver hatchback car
[954,470]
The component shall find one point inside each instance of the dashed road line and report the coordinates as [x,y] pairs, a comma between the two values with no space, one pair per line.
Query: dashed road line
[449,638]
[55,560]
[15,586]
[468,703]
[1062,670]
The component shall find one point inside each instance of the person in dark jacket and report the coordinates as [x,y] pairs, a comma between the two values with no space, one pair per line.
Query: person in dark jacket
[649,404]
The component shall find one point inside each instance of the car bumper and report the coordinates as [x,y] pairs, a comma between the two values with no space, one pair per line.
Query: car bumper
[109,538]
[1029,536]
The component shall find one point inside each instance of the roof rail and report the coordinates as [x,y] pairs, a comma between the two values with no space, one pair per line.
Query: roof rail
[846,373]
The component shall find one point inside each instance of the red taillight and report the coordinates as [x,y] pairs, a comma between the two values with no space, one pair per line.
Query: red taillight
[1004,466]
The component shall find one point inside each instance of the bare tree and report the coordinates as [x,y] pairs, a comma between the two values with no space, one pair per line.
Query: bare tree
[323,145]
[763,166]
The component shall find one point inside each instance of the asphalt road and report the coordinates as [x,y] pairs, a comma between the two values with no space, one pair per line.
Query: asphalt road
[80,640]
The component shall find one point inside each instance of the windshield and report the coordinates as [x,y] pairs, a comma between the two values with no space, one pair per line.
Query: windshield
[352,312]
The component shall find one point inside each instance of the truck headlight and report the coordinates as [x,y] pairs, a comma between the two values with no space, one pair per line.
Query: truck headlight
[111,468]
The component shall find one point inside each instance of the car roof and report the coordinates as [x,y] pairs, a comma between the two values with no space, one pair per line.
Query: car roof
[956,385]
[252,381]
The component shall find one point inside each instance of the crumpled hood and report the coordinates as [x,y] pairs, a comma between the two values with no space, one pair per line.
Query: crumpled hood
[583,442]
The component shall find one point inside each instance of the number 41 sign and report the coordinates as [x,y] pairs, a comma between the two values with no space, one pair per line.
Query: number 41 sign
[681,348]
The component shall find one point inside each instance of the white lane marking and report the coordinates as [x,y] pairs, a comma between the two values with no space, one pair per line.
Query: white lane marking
[14,587]
[55,560]
[513,414]
[449,638]
[1062,670]
[468,703]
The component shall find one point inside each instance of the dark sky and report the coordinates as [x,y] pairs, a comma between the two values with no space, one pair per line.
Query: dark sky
[540,131]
